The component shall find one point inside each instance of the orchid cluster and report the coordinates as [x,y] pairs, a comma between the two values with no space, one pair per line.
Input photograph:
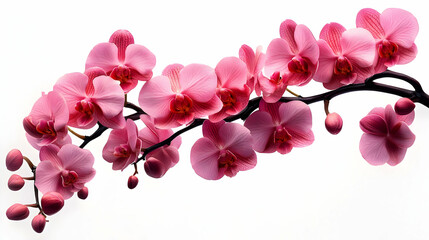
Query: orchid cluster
[343,60]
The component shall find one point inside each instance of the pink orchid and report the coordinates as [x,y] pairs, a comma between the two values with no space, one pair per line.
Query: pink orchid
[255,61]
[164,157]
[47,122]
[394,31]
[64,170]
[92,97]
[231,87]
[225,149]
[280,126]
[180,95]
[123,60]
[386,136]
[346,56]
[123,146]
[295,55]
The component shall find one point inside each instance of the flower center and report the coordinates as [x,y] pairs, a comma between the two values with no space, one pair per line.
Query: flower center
[69,177]
[387,49]
[122,151]
[85,106]
[181,104]
[276,78]
[298,65]
[46,127]
[227,97]
[121,73]
[343,66]
[226,159]
[281,135]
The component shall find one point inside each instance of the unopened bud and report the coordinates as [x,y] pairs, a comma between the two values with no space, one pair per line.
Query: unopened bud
[52,202]
[38,223]
[17,212]
[132,182]
[333,123]
[14,160]
[83,193]
[404,106]
[15,182]
[154,168]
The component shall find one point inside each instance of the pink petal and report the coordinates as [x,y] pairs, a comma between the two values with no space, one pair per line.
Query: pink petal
[50,153]
[172,72]
[59,109]
[373,124]
[141,59]
[331,34]
[72,87]
[173,120]
[237,139]
[326,63]
[261,129]
[272,92]
[155,97]
[211,131]
[169,156]
[278,57]
[201,109]
[370,20]
[108,95]
[397,154]
[198,82]
[296,115]
[373,149]
[272,109]
[104,55]
[231,73]
[301,139]
[48,178]
[400,26]
[204,159]
[132,133]
[247,55]
[287,32]
[121,38]
[306,43]
[407,55]
[76,159]
[402,136]
[358,46]
[115,122]
[116,137]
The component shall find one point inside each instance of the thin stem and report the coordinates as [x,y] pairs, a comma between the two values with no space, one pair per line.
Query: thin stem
[293,93]
[326,106]
[76,134]
[30,164]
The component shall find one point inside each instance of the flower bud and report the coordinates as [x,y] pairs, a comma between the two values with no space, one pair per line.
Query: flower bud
[14,160]
[132,182]
[17,212]
[83,193]
[333,123]
[38,223]
[52,202]
[154,168]
[15,182]
[404,106]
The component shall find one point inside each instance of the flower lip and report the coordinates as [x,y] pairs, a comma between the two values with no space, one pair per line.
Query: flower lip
[343,66]
[181,104]
[386,49]
[298,65]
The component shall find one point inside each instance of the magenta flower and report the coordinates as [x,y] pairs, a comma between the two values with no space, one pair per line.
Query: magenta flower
[225,149]
[64,170]
[295,55]
[47,122]
[386,136]
[255,61]
[280,126]
[123,146]
[180,95]
[394,31]
[231,87]
[123,60]
[91,98]
[160,160]
[346,56]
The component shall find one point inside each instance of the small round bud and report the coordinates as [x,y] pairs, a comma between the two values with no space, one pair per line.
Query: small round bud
[404,106]
[14,160]
[83,193]
[15,182]
[17,212]
[38,223]
[132,182]
[52,202]
[154,168]
[333,123]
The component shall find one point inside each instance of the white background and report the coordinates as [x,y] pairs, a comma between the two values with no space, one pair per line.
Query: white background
[324,191]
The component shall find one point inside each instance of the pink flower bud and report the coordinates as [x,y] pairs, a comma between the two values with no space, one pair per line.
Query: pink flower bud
[132,182]
[83,193]
[404,106]
[154,168]
[38,223]
[52,202]
[14,160]
[17,212]
[15,182]
[333,123]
